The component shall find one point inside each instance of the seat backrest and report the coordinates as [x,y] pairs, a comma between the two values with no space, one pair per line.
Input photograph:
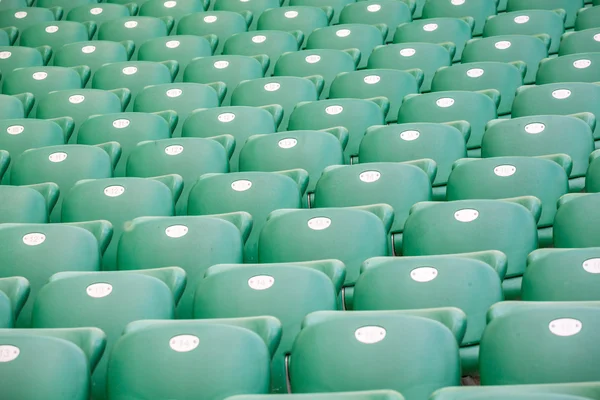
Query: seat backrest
[570,6]
[574,222]
[479,10]
[27,204]
[558,391]
[581,67]
[363,395]
[14,292]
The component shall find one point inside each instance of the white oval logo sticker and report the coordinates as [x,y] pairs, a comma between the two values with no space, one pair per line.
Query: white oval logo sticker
[319,223]
[373,8]
[40,76]
[370,176]
[409,135]
[121,123]
[423,274]
[52,29]
[173,44]
[131,24]
[287,143]
[291,14]
[430,27]
[259,38]
[114,191]
[8,353]
[458,2]
[176,231]
[342,32]
[221,64]
[170,4]
[96,11]
[15,129]
[129,70]
[20,14]
[505,170]
[34,239]
[592,265]
[261,282]
[313,59]
[370,334]
[76,99]
[502,45]
[372,79]
[184,343]
[99,290]
[521,19]
[466,215]
[226,117]
[272,86]
[597,37]
[209,19]
[174,92]
[581,64]
[561,94]
[407,52]
[88,49]
[242,185]
[334,110]
[173,150]
[57,157]
[445,102]
[535,128]
[5,54]
[475,72]
[565,326]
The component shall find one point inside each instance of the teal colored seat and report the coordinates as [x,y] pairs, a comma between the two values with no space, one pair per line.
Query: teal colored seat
[120,200]
[109,301]
[300,18]
[592,177]
[255,8]
[38,251]
[363,395]
[17,106]
[4,163]
[224,24]
[14,292]
[194,243]
[479,10]
[189,350]
[574,225]
[371,12]
[585,41]
[8,36]
[570,6]
[582,67]
[57,33]
[337,6]
[26,204]
[137,29]
[177,10]
[248,290]
[22,16]
[257,193]
[13,57]
[100,13]
[554,391]
[57,362]
[66,5]
[588,18]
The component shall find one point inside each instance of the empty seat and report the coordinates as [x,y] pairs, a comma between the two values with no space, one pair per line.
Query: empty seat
[300,18]
[337,6]
[224,24]
[109,301]
[57,33]
[479,10]
[17,106]
[57,362]
[27,204]
[389,12]
[363,395]
[13,57]
[372,339]
[570,6]
[120,200]
[588,18]
[22,16]
[556,391]
[575,218]
[254,7]
[580,42]
[100,12]
[177,10]
[190,349]
[248,290]
[38,251]
[582,67]
[506,78]
[13,295]
[592,180]
[8,36]
[428,57]
[4,162]
[137,29]
[66,5]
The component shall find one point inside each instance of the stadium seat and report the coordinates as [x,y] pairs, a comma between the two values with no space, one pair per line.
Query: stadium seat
[545,177]
[66,5]
[301,18]
[356,115]
[188,157]
[231,70]
[479,10]
[241,122]
[437,30]
[100,13]
[561,275]
[27,204]
[443,143]
[586,41]
[22,16]
[570,6]
[57,33]
[372,339]
[362,395]
[336,5]
[109,301]
[509,48]
[574,223]
[372,12]
[588,18]
[248,290]
[428,57]
[38,251]
[17,106]
[13,57]
[254,7]
[471,282]
[55,362]
[257,193]
[392,84]
[178,358]
[506,78]
[13,295]
[539,342]
[177,9]
[583,67]
[224,24]
[592,181]
[541,135]
[327,63]
[529,22]
[137,29]
[287,91]
[4,162]
[120,200]
[477,108]
[557,391]
[193,243]
[127,129]
[137,2]
[8,36]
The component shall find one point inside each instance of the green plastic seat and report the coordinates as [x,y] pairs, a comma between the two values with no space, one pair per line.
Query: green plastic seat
[588,18]
[64,165]
[109,301]
[134,75]
[545,177]
[177,10]
[327,63]
[382,343]
[188,157]
[428,57]
[17,106]
[582,67]
[57,33]
[120,200]
[543,135]
[194,243]
[437,30]
[585,41]
[506,78]
[529,22]
[570,6]
[477,108]
[476,225]
[443,143]
[371,12]
[479,10]
[127,129]
[8,36]
[27,204]
[286,91]
[509,48]
[137,29]
[137,2]
[363,395]
[66,5]
[224,24]
[22,16]
[4,163]
[257,193]
[558,99]
[38,251]
[556,391]
[592,177]
[349,36]
[13,57]
[336,5]
[539,342]
[254,7]
[100,13]
[471,282]
[300,18]
[248,290]
[14,292]
[356,115]
[240,122]
[190,349]
[392,84]
[56,362]
[40,81]
[183,98]
[575,218]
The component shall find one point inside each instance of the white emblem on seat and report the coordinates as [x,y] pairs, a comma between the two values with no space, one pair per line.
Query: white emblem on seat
[290,14]
[409,135]
[502,45]
[52,29]
[505,170]
[521,19]
[458,2]
[8,353]
[272,86]
[34,239]
[20,14]
[121,123]
[597,37]
[40,76]
[76,99]
[174,92]
[131,24]
[221,64]
[407,52]
[475,72]
[370,334]
[15,129]
[466,215]
[342,32]
[261,282]
[170,4]
[96,11]
[445,102]
[319,223]
[372,79]
[174,150]
[535,128]
[592,265]
[287,143]
[226,117]
[581,64]
[561,94]
[88,49]
[242,185]
[313,59]
[99,290]
[430,27]
[176,231]
[334,110]
[57,157]
[184,343]
[373,7]
[370,176]
[424,274]
[173,44]
[565,326]
[209,19]
[114,191]
[259,38]
[129,70]
[5,54]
